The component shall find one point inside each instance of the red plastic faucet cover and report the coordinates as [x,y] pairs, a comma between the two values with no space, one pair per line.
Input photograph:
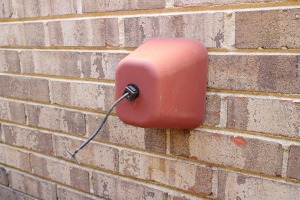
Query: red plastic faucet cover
[171,74]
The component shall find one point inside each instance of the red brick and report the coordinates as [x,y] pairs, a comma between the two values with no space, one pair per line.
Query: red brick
[175,173]
[8,193]
[115,131]
[96,32]
[293,170]
[30,138]
[60,171]
[271,73]
[3,176]
[67,193]
[24,87]
[240,186]
[186,25]
[241,152]
[56,119]
[9,61]
[94,154]
[12,111]
[96,96]
[31,185]
[15,158]
[268,29]
[111,187]
[113,5]
[275,116]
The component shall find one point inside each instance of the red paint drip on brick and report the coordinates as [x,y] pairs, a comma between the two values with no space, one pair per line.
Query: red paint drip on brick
[216,135]
[239,141]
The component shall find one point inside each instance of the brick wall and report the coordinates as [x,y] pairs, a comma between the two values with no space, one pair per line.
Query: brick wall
[57,63]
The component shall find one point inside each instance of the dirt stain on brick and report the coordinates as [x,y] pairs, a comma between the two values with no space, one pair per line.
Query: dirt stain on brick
[218,39]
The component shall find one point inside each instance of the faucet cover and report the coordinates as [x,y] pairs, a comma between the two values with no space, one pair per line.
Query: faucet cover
[171,74]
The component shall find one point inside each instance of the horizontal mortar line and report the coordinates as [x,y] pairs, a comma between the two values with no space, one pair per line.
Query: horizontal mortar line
[60,78]
[283,140]
[18,191]
[174,158]
[80,50]
[71,48]
[161,12]
[254,94]
[211,50]
[258,52]
[210,90]
[218,166]
[52,105]
[144,182]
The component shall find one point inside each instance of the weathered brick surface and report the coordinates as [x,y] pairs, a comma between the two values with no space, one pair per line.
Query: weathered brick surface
[29,138]
[212,110]
[56,118]
[24,88]
[240,186]
[111,187]
[116,131]
[187,3]
[85,95]
[253,84]
[67,194]
[187,176]
[37,8]
[6,9]
[229,150]
[186,25]
[31,185]
[293,170]
[12,111]
[268,29]
[271,73]
[8,193]
[9,61]
[60,171]
[15,157]
[99,65]
[3,176]
[109,5]
[278,117]
[96,32]
[22,34]
[60,63]
[94,154]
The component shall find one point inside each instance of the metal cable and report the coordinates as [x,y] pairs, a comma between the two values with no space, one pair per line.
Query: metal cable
[98,129]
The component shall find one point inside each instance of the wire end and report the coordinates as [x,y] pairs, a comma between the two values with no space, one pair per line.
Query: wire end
[73,156]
